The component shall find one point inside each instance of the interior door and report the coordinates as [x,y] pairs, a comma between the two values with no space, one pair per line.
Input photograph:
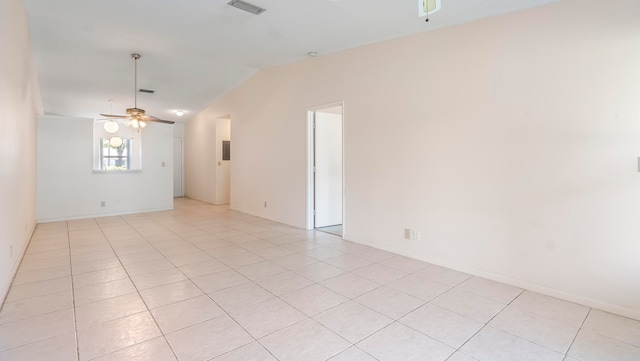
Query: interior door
[328,168]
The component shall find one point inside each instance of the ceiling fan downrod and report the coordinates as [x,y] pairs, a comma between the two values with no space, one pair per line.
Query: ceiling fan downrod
[136,117]
[135,57]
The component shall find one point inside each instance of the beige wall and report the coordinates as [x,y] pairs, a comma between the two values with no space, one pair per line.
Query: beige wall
[515,143]
[200,159]
[20,105]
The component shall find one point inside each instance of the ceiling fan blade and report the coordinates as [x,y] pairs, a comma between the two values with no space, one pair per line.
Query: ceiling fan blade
[113,116]
[158,120]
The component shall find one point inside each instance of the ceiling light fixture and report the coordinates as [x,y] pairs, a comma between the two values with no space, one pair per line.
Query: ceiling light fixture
[179,113]
[135,123]
[312,54]
[115,142]
[111,126]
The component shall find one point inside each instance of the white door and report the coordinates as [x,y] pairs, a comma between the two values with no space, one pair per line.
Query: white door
[328,168]
[177,167]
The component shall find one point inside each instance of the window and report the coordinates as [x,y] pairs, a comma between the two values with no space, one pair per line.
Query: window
[124,158]
[115,158]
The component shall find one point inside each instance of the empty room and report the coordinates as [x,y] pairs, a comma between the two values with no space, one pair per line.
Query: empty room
[312,180]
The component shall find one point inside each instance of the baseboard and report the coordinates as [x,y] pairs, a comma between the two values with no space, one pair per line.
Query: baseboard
[263,216]
[589,302]
[100,215]
[4,292]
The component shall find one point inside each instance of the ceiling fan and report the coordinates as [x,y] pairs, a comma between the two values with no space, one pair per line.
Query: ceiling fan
[136,117]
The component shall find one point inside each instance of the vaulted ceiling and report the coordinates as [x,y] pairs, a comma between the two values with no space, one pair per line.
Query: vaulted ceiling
[195,51]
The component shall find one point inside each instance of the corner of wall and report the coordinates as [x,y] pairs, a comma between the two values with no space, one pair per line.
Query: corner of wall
[4,291]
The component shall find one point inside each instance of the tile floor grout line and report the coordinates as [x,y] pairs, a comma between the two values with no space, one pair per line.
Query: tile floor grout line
[3,302]
[566,353]
[254,282]
[204,293]
[73,296]
[137,291]
[487,324]
[306,317]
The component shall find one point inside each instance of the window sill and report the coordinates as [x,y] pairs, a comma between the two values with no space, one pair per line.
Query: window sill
[117,171]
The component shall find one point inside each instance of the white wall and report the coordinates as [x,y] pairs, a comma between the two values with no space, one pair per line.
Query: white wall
[20,104]
[515,147]
[68,188]
[178,130]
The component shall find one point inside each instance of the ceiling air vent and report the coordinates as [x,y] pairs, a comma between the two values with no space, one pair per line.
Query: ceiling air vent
[243,5]
[146,91]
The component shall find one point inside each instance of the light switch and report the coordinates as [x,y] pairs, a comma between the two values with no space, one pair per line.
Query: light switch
[163,164]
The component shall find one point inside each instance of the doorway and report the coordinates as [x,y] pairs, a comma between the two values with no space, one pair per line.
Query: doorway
[177,168]
[223,157]
[326,169]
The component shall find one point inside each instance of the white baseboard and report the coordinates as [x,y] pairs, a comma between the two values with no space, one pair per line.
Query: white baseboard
[4,291]
[589,302]
[100,215]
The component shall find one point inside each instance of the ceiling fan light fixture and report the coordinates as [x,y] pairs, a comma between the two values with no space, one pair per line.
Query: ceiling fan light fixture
[111,127]
[137,123]
[115,142]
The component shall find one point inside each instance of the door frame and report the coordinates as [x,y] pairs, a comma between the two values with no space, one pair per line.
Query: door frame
[310,163]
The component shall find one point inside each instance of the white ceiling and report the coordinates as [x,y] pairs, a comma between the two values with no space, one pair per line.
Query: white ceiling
[194,51]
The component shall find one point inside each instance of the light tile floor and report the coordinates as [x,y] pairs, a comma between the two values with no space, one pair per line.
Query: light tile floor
[202,282]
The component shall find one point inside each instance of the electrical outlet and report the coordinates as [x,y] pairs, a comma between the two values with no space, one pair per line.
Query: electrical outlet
[103,204]
[411,234]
